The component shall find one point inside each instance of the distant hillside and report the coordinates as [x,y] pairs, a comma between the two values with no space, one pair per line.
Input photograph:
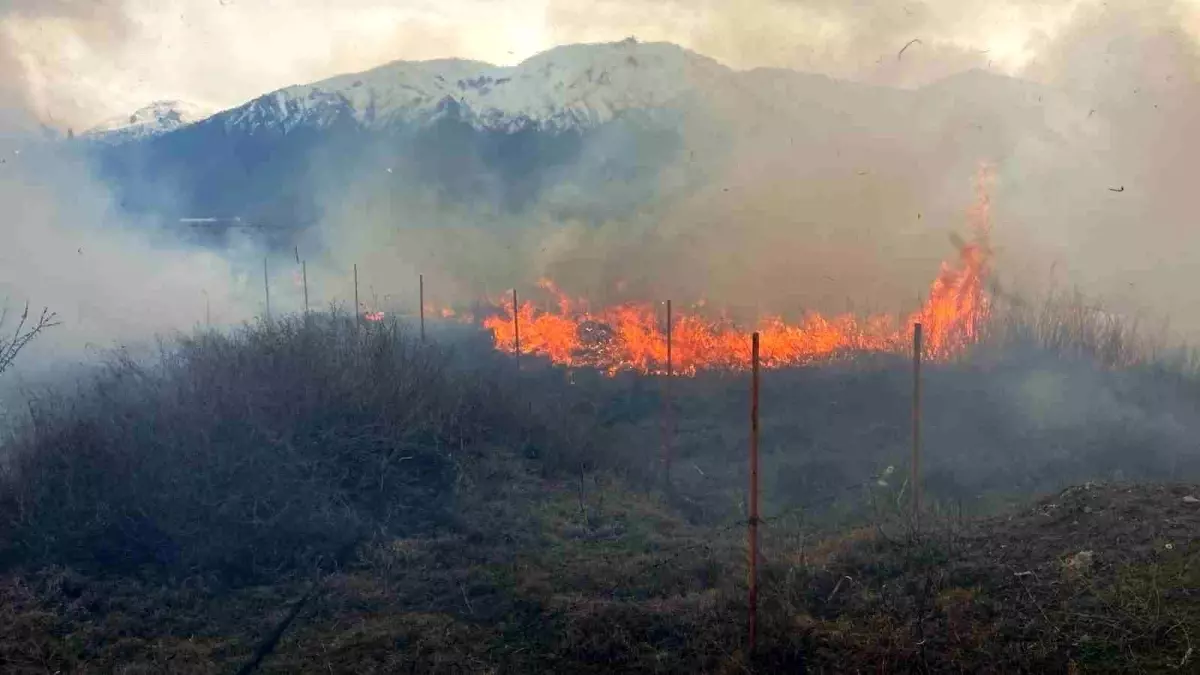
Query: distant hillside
[593,131]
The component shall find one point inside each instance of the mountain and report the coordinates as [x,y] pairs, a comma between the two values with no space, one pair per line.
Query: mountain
[591,132]
[567,88]
[473,133]
[156,119]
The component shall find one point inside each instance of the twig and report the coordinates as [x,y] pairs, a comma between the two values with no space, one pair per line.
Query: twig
[914,41]
[465,598]
[22,336]
[583,499]
[837,588]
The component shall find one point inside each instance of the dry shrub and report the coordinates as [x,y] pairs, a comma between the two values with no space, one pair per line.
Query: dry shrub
[251,453]
[1068,325]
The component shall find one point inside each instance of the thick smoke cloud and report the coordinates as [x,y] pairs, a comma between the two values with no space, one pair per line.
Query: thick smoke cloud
[66,245]
[802,197]
[97,26]
[1137,71]
[859,40]
[1093,147]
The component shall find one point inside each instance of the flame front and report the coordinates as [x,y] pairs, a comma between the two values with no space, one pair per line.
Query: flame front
[633,337]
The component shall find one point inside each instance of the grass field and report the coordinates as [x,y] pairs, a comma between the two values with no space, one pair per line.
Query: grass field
[420,507]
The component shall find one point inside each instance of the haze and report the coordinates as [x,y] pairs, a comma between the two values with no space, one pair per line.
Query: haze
[1104,199]
[82,61]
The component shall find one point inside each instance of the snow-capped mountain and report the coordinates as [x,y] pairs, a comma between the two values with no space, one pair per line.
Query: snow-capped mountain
[589,133]
[569,87]
[155,119]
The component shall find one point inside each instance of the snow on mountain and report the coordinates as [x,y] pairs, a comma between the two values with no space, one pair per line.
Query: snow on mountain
[574,86]
[155,119]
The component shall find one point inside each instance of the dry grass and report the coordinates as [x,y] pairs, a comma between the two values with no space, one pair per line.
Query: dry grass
[166,516]
[254,453]
[1069,326]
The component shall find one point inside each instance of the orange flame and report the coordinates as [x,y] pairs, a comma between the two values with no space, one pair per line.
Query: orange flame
[632,336]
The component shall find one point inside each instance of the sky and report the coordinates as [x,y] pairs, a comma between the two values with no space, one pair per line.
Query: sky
[79,62]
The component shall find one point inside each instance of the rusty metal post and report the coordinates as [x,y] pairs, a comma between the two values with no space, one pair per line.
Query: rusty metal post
[516,330]
[916,427]
[753,522]
[668,413]
[421,299]
[267,289]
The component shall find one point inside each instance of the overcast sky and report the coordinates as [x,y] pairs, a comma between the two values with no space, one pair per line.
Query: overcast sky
[82,61]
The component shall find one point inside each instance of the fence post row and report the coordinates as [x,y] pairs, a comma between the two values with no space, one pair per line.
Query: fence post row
[267,289]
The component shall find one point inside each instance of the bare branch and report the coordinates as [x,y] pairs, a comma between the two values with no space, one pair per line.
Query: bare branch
[23,334]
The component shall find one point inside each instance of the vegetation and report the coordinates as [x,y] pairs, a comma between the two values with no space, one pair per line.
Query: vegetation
[24,333]
[311,495]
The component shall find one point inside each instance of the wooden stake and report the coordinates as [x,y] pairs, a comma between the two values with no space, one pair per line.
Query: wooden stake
[667,412]
[421,299]
[516,330]
[267,288]
[753,522]
[916,427]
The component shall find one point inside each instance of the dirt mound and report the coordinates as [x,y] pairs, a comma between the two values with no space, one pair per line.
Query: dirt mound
[1099,578]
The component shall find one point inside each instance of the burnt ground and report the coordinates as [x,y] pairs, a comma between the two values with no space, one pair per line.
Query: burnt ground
[555,576]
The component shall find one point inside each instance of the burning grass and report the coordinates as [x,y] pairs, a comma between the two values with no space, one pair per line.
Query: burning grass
[634,337]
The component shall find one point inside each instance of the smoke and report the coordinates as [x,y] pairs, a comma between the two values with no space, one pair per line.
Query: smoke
[110,279]
[66,245]
[68,26]
[860,40]
[1116,207]
[837,197]
[790,192]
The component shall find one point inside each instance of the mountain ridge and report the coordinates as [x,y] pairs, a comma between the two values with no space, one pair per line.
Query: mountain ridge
[592,132]
[154,119]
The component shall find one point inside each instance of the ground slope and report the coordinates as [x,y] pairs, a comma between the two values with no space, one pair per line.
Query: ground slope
[591,577]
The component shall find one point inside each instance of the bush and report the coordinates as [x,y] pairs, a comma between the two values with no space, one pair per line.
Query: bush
[252,453]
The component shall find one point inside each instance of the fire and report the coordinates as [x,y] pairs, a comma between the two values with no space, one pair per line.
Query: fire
[452,315]
[373,316]
[633,337]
